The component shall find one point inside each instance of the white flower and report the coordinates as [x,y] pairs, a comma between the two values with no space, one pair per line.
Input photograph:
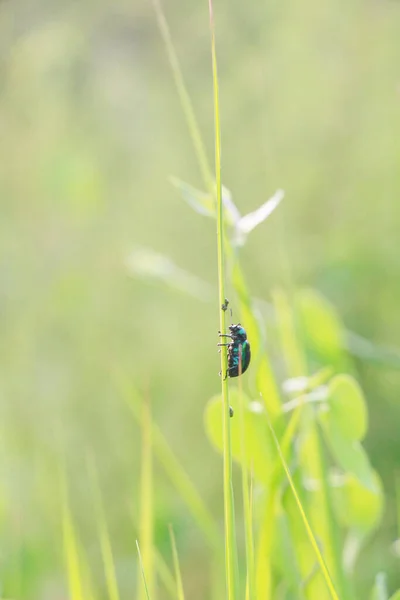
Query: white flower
[243,225]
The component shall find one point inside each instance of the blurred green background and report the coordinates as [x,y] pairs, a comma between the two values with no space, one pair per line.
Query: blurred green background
[91,129]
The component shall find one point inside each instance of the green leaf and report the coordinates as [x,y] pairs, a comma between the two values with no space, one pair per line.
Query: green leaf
[347,406]
[344,422]
[293,353]
[292,545]
[321,328]
[349,454]
[396,596]
[259,450]
[359,507]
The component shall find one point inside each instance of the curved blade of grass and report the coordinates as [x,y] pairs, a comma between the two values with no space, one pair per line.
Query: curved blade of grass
[184,97]
[179,584]
[397,500]
[314,464]
[310,534]
[105,544]
[320,502]
[166,577]
[231,564]
[171,466]
[264,544]
[163,570]
[247,499]
[265,379]
[71,550]
[146,499]
[142,571]
[263,569]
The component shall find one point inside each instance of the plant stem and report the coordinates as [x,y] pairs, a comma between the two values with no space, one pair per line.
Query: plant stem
[231,565]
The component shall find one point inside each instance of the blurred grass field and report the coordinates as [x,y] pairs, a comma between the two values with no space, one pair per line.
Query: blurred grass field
[91,131]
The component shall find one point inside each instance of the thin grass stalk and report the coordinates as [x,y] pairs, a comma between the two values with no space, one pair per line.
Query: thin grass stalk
[178,576]
[186,103]
[251,517]
[331,537]
[231,564]
[165,575]
[142,571]
[268,528]
[268,385]
[246,494]
[172,467]
[146,499]
[297,366]
[71,551]
[266,381]
[264,545]
[105,544]
[397,498]
[310,534]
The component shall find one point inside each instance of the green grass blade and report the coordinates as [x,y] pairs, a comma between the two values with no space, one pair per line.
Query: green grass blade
[146,500]
[321,509]
[265,378]
[165,575]
[247,502]
[162,569]
[178,577]
[320,502]
[71,551]
[105,543]
[264,545]
[268,527]
[310,534]
[142,572]
[397,500]
[184,97]
[171,466]
[231,564]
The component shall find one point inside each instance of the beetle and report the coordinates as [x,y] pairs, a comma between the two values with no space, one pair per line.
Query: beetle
[239,353]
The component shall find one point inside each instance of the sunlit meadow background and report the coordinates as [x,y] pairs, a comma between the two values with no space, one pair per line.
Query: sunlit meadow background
[91,129]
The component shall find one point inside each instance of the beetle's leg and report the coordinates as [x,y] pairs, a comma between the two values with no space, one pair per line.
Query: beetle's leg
[223,344]
[224,335]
